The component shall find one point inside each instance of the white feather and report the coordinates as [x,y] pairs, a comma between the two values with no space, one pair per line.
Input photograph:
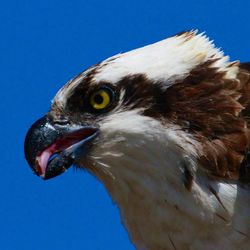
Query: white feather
[167,60]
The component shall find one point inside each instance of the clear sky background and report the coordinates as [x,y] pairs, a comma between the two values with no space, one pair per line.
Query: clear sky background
[45,43]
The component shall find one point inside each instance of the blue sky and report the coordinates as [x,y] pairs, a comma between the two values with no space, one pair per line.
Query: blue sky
[45,43]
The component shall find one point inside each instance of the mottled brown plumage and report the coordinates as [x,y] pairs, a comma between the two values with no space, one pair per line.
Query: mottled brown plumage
[215,110]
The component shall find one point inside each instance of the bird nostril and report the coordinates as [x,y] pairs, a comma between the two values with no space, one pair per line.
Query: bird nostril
[61,122]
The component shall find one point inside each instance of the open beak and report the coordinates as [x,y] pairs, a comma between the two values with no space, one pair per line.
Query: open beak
[51,148]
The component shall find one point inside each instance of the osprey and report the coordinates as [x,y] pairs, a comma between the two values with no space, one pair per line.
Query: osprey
[166,129]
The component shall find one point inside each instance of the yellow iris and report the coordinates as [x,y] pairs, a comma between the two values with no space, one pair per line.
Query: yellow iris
[100,99]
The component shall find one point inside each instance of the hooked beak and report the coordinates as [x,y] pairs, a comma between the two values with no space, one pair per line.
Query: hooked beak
[51,148]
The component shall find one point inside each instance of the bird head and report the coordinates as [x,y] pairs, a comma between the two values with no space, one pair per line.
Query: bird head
[127,113]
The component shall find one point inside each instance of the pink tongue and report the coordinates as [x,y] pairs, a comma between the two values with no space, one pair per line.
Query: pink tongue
[42,160]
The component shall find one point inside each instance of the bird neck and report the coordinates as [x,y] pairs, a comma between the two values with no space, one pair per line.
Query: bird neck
[158,188]
[145,177]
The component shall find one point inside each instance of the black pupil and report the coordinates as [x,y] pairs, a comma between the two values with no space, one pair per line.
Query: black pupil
[98,99]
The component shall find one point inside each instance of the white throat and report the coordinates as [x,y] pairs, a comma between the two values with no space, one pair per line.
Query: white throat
[153,200]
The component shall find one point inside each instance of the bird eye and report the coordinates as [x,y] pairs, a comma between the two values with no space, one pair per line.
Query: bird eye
[101,98]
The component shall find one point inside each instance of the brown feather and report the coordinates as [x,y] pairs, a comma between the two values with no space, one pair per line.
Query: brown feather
[216,111]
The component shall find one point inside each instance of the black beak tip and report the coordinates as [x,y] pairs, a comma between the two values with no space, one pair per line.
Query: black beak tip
[40,135]
[34,141]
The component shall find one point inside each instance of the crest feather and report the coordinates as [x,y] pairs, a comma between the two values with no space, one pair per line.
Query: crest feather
[168,60]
